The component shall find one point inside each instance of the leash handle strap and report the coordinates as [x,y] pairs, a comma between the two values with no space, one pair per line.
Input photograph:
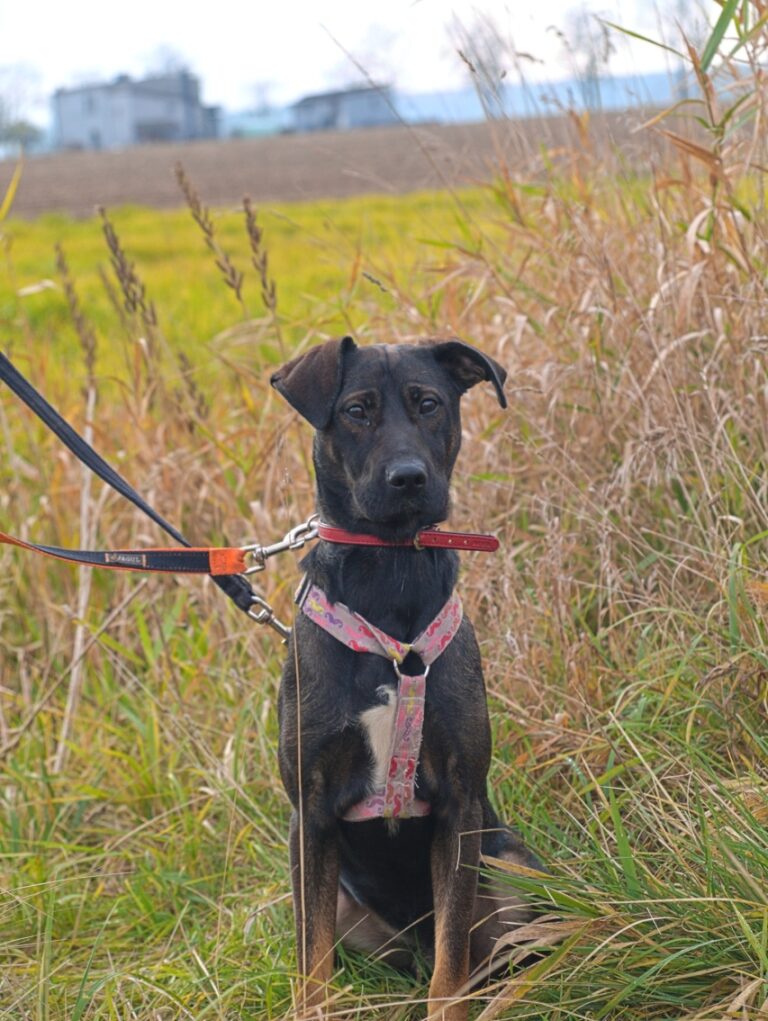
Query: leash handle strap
[427,538]
[191,560]
[236,587]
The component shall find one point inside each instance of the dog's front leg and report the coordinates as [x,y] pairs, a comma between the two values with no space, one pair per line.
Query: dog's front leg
[454,860]
[315,879]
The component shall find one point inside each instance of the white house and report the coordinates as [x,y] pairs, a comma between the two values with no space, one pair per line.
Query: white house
[126,111]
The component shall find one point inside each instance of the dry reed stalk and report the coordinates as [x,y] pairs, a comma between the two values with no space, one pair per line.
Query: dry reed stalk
[87,529]
[85,574]
[114,300]
[190,403]
[260,259]
[232,276]
[134,291]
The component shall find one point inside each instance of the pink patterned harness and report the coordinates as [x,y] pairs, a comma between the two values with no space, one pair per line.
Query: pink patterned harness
[396,799]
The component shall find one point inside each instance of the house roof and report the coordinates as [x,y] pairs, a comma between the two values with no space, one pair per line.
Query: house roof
[159,85]
[319,97]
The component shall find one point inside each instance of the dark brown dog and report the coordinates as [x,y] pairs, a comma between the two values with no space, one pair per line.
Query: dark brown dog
[387,436]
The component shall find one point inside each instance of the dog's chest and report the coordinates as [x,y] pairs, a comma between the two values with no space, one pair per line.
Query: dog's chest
[378,724]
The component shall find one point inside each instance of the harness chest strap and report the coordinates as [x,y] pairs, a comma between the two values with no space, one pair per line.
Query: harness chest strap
[396,798]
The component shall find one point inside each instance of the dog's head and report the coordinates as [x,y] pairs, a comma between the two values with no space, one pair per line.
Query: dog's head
[387,427]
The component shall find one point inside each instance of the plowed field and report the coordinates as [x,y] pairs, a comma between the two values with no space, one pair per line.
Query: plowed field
[298,167]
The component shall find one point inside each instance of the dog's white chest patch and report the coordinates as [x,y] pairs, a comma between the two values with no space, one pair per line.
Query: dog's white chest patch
[378,722]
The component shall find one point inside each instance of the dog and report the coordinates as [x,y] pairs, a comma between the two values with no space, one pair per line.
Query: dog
[387,831]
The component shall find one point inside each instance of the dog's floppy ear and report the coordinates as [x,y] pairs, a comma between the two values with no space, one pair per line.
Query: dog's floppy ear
[468,366]
[311,382]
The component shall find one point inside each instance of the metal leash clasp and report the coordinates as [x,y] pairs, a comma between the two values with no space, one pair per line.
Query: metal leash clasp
[266,615]
[260,610]
[296,538]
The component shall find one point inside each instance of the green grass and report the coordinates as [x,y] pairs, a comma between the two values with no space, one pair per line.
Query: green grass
[319,253]
[623,625]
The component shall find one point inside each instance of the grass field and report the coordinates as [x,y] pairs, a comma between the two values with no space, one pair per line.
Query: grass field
[143,856]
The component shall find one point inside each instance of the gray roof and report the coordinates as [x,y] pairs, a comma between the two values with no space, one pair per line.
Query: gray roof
[340,94]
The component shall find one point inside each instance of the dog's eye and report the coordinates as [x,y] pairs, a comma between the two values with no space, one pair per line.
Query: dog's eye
[428,406]
[356,411]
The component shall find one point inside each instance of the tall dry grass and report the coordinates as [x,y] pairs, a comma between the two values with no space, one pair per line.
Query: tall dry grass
[623,626]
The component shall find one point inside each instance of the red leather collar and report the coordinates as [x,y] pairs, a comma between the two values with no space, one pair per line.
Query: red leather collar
[427,538]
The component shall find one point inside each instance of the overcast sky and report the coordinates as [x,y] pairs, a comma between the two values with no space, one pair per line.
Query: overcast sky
[245,50]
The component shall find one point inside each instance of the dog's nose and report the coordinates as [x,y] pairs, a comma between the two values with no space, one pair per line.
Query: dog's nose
[407,475]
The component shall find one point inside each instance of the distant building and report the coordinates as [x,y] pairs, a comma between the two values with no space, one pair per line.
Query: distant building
[126,111]
[255,123]
[363,107]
